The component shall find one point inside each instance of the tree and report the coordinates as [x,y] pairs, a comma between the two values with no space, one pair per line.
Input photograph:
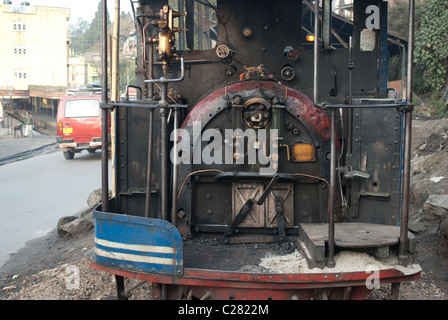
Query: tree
[94,32]
[127,73]
[126,66]
[431,44]
[84,36]
[398,19]
[126,25]
[77,31]
[397,25]
[87,38]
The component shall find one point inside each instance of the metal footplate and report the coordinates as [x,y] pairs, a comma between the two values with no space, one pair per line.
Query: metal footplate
[374,239]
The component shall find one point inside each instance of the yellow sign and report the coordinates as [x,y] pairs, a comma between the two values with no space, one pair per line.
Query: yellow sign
[67,130]
[303,152]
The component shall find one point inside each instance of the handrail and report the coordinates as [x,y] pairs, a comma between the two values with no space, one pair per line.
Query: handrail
[402,106]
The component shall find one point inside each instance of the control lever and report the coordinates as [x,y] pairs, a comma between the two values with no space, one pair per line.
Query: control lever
[349,173]
[248,205]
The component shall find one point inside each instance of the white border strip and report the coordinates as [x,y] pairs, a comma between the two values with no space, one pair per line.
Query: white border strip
[135,247]
[134,257]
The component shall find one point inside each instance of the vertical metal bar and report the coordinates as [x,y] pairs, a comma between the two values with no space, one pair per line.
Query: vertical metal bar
[403,70]
[410,78]
[163,292]
[181,8]
[149,163]
[326,23]
[175,151]
[119,281]
[164,156]
[402,253]
[140,59]
[114,47]
[163,107]
[402,250]
[394,293]
[115,87]
[200,43]
[207,27]
[350,97]
[316,51]
[333,187]
[151,67]
[104,120]
[383,54]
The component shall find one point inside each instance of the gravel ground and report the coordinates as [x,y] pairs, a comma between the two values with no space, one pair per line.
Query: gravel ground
[47,269]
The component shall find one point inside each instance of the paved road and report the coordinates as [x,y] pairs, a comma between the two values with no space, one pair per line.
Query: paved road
[36,192]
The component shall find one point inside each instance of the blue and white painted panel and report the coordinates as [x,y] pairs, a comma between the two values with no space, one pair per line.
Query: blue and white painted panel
[137,243]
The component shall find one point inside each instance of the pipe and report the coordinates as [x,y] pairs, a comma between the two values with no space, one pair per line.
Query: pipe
[333,176]
[402,250]
[350,98]
[114,57]
[104,120]
[149,164]
[175,151]
[151,68]
[409,85]
[403,69]
[115,86]
[163,107]
[402,253]
[316,51]
[165,80]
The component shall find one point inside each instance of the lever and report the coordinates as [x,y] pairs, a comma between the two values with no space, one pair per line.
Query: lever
[350,173]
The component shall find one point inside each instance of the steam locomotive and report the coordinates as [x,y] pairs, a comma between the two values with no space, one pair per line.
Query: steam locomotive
[263,156]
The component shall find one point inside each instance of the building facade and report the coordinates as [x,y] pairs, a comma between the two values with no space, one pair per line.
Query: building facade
[77,72]
[33,55]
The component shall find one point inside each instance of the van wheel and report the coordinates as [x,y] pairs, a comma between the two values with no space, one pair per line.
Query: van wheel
[69,155]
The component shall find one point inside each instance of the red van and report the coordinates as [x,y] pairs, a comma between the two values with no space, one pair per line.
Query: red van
[79,122]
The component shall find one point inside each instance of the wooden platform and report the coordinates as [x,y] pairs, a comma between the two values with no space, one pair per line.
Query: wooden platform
[373,238]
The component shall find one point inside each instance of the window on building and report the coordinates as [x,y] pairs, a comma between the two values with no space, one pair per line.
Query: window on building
[19,26]
[20,50]
[20,74]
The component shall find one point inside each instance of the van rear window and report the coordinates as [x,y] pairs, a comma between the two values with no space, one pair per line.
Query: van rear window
[82,108]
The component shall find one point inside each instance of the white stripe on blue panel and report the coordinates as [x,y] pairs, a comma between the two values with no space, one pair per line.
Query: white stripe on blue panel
[135,247]
[134,257]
